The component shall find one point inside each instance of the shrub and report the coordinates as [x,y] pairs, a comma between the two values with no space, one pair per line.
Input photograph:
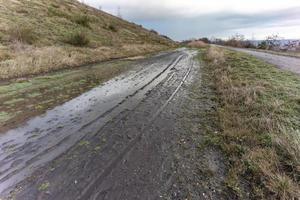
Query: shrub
[215,55]
[21,34]
[154,31]
[197,44]
[112,27]
[263,45]
[166,37]
[53,11]
[54,5]
[82,20]
[4,55]
[78,38]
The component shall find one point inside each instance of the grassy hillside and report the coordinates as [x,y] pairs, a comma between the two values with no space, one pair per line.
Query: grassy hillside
[38,36]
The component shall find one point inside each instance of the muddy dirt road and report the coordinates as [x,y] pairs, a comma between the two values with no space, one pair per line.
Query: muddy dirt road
[284,62]
[113,142]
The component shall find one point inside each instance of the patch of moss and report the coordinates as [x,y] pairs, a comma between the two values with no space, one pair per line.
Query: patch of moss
[14,87]
[44,186]
[84,143]
[13,101]
[4,116]
[33,95]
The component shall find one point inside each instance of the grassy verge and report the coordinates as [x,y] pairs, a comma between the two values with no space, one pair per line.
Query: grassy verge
[23,99]
[259,114]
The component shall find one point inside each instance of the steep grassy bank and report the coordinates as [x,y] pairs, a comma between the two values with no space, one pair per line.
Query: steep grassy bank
[259,114]
[39,36]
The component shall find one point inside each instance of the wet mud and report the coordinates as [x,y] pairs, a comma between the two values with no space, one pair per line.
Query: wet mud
[138,136]
[86,126]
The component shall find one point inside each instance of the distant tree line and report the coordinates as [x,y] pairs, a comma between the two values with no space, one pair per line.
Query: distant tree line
[272,42]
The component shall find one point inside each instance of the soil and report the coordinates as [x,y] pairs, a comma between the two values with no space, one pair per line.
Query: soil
[135,137]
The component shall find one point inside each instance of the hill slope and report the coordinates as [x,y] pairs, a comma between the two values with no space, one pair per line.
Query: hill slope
[39,36]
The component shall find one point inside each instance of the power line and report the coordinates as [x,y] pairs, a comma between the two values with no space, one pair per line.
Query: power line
[119,12]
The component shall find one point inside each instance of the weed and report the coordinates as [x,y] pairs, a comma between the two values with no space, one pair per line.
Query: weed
[82,20]
[54,11]
[33,95]
[22,33]
[44,186]
[112,28]
[78,38]
[4,55]
[4,116]
[84,143]
[97,148]
[13,101]
[215,55]
[198,44]
[54,5]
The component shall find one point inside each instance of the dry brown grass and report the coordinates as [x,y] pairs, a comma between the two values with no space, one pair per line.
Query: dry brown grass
[21,33]
[197,44]
[215,55]
[28,60]
[4,55]
[259,116]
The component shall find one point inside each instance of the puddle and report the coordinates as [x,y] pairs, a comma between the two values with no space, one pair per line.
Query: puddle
[21,101]
[45,137]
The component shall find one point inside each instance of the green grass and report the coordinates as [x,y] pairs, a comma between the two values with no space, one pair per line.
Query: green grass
[44,186]
[13,101]
[33,95]
[84,143]
[259,114]
[4,116]
[82,20]
[14,87]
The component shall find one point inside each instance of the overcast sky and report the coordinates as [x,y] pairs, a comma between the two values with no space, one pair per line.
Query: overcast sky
[184,19]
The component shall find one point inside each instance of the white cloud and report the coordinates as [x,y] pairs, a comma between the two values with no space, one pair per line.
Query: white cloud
[193,8]
[218,17]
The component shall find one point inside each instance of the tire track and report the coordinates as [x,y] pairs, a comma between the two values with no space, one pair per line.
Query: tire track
[89,190]
[7,180]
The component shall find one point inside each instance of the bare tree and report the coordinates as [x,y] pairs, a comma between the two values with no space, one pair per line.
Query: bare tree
[291,45]
[236,40]
[273,42]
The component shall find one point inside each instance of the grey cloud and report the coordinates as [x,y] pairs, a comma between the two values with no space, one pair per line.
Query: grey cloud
[245,20]
[222,23]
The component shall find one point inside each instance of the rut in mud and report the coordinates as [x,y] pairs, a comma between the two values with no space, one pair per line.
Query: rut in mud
[118,141]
